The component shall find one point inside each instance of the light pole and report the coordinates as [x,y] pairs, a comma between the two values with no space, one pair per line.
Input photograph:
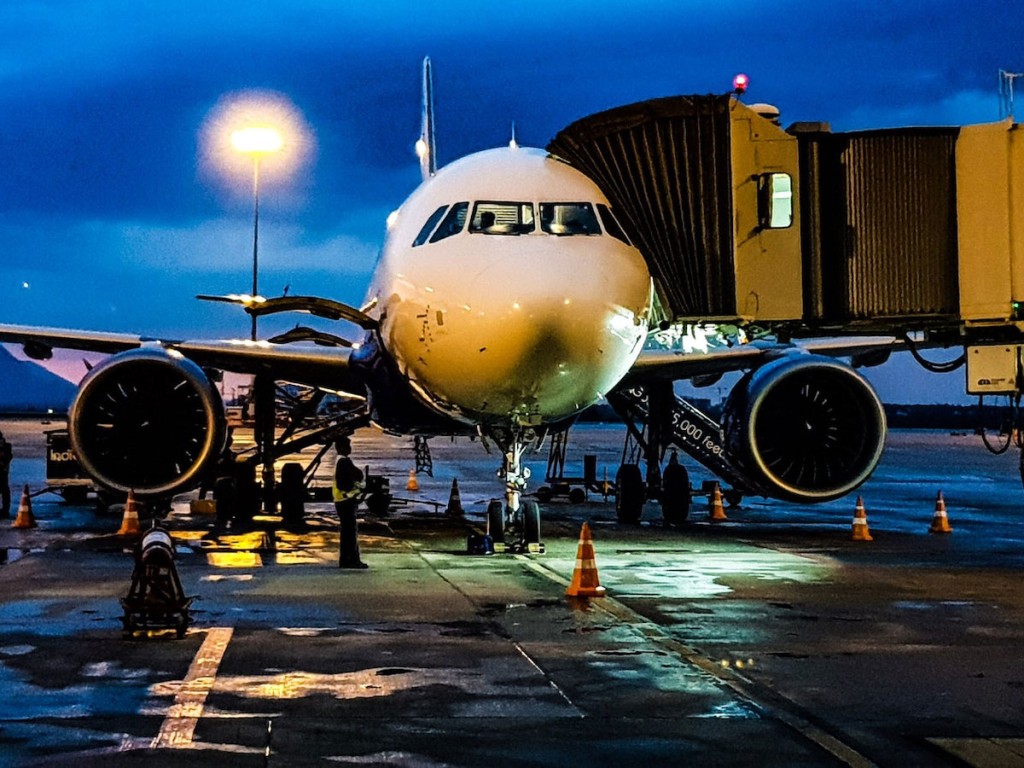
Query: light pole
[256,141]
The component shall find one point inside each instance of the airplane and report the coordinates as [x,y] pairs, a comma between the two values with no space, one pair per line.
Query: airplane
[507,300]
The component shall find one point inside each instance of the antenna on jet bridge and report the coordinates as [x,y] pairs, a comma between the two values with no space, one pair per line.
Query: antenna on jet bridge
[425,147]
[1006,80]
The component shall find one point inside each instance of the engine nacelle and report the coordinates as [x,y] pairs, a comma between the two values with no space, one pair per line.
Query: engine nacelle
[147,420]
[809,428]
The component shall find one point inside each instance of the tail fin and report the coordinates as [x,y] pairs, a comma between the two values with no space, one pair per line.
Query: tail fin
[425,147]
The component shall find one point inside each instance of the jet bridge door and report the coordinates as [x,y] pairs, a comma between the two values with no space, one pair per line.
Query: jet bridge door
[989,191]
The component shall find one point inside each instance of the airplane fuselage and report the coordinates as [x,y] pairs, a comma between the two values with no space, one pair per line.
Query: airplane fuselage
[502,295]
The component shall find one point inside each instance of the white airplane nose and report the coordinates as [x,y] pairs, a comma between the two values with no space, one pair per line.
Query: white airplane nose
[532,357]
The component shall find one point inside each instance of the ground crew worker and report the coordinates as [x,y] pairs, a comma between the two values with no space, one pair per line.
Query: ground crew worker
[348,485]
[6,454]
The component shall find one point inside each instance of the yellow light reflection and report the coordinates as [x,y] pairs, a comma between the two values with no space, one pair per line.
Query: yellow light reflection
[359,684]
[234,559]
[299,557]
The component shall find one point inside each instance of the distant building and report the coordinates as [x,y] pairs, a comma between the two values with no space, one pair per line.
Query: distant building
[27,388]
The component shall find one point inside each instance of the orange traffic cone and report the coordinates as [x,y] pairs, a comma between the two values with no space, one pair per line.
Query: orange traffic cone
[130,522]
[940,523]
[585,581]
[455,500]
[860,523]
[717,509]
[25,518]
[413,484]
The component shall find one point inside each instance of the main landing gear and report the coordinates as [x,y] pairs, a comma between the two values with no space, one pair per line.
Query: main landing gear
[514,525]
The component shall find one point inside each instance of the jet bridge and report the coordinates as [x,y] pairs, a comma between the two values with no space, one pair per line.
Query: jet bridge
[808,231]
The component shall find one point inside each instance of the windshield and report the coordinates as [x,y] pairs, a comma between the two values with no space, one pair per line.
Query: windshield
[453,222]
[499,218]
[569,219]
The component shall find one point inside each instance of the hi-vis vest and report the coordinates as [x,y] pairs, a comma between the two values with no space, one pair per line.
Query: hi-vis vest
[342,494]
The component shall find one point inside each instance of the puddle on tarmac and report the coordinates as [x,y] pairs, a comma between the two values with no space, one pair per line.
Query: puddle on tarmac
[24,701]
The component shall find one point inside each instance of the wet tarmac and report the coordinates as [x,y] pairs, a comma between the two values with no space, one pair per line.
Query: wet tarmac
[770,639]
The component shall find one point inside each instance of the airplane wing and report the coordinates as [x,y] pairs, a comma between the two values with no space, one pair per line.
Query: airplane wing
[678,364]
[323,366]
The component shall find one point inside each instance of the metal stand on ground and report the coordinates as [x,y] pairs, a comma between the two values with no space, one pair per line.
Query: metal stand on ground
[155,600]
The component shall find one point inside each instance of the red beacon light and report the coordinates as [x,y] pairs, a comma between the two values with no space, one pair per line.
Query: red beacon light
[740,83]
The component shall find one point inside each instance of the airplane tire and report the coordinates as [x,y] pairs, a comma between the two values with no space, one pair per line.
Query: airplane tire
[629,500]
[675,494]
[531,521]
[496,521]
[733,497]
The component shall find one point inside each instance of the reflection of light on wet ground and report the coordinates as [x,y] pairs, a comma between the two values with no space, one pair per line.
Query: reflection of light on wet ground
[250,540]
[303,631]
[701,575]
[309,540]
[407,759]
[112,670]
[314,557]
[215,577]
[364,684]
[732,710]
[234,559]
[657,670]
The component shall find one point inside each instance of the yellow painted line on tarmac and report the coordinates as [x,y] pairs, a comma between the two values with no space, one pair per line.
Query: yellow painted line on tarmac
[182,718]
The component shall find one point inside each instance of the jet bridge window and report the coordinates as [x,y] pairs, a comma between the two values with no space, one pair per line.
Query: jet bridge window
[775,200]
[494,218]
[611,224]
[568,219]
[453,223]
[435,217]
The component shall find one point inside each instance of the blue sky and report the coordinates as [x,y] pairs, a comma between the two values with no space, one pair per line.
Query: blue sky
[109,219]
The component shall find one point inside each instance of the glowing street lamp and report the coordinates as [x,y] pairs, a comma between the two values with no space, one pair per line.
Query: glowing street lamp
[257,142]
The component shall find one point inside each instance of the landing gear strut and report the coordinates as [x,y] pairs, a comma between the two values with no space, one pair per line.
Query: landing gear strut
[515,523]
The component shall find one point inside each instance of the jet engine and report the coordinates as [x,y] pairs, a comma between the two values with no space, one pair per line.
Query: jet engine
[147,420]
[809,428]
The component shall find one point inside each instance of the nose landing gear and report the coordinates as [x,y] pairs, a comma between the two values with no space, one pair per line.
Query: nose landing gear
[514,525]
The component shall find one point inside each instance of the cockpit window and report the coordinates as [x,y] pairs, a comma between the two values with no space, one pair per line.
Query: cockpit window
[453,223]
[435,217]
[568,219]
[611,224]
[493,218]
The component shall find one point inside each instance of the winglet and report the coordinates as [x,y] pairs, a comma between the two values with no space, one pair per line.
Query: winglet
[425,147]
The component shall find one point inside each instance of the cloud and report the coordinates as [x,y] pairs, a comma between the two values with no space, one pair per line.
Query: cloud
[963,108]
[140,276]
